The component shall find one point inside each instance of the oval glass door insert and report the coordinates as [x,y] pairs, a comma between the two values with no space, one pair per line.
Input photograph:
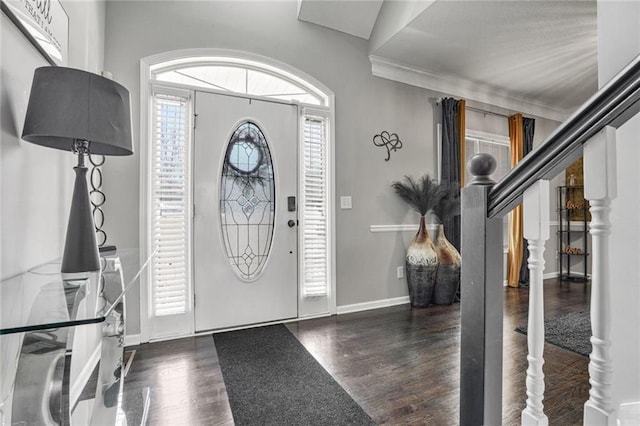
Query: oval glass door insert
[247,201]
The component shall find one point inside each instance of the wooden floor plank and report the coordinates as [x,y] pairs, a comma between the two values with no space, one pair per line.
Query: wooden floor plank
[400,364]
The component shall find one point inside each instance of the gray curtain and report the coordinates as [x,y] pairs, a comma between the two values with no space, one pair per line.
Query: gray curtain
[528,129]
[451,161]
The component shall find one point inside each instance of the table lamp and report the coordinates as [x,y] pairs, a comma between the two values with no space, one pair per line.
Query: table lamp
[74,110]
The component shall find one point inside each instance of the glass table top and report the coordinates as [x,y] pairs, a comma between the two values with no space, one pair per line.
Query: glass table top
[43,298]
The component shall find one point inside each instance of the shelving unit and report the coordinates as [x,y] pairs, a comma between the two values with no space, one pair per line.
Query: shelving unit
[569,202]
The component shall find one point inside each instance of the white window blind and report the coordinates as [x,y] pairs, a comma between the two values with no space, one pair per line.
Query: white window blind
[315,231]
[169,204]
[499,148]
[500,151]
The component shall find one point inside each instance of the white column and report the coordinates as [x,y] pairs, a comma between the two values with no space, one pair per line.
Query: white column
[536,231]
[618,43]
[600,189]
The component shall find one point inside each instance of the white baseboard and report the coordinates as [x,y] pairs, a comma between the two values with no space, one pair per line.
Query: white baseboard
[580,274]
[132,340]
[375,304]
[556,275]
[85,373]
[629,413]
[544,277]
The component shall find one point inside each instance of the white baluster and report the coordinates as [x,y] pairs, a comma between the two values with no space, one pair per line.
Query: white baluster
[536,231]
[600,189]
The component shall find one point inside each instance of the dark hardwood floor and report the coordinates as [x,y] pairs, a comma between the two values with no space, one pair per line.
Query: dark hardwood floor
[400,364]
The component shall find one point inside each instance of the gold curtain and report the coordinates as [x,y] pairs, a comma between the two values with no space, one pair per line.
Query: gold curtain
[514,258]
[461,132]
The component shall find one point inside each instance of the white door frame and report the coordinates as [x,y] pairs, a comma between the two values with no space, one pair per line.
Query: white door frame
[223,56]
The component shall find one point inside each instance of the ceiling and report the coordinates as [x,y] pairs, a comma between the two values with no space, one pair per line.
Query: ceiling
[537,57]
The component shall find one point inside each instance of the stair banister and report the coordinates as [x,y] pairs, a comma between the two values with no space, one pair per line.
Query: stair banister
[536,232]
[600,188]
[483,206]
[481,318]
[612,105]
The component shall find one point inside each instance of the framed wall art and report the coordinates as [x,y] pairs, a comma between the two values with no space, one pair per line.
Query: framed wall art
[45,23]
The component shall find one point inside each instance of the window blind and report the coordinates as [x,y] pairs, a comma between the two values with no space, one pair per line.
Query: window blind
[498,150]
[169,204]
[315,209]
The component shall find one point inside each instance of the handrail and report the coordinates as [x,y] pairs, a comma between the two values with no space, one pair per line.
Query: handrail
[612,105]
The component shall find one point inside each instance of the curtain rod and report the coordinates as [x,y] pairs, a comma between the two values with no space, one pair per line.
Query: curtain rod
[486,112]
[438,101]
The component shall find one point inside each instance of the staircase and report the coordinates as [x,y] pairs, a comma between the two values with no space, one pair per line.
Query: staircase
[589,132]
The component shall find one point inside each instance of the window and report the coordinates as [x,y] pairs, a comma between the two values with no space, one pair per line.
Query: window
[169,201]
[247,201]
[500,148]
[496,145]
[241,79]
[315,225]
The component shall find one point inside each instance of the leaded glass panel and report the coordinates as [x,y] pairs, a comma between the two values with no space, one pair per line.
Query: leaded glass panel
[247,201]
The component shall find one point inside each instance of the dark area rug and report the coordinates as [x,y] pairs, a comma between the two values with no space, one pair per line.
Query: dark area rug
[571,331]
[271,379]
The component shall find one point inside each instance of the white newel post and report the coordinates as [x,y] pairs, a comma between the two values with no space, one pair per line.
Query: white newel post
[536,231]
[600,189]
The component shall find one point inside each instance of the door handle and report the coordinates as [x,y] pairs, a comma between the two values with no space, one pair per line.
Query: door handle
[291,223]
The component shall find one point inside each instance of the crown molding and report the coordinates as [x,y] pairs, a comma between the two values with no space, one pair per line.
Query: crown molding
[391,70]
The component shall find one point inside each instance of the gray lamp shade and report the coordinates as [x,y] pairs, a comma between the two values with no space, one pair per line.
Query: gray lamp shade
[67,104]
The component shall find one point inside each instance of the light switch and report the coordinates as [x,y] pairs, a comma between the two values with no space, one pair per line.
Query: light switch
[345,202]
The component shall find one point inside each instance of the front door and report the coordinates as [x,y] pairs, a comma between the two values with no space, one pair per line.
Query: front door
[245,219]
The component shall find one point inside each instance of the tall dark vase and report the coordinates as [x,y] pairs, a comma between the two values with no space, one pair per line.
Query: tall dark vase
[422,268]
[449,261]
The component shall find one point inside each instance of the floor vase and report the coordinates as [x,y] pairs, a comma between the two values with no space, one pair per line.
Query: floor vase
[422,268]
[449,261]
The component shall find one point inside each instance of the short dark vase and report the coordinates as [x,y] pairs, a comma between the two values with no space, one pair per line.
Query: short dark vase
[449,261]
[422,268]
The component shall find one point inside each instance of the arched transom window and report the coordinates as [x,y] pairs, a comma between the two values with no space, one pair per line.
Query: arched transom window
[244,78]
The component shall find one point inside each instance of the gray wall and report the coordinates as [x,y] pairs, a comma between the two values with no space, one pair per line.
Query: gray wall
[365,105]
[36,182]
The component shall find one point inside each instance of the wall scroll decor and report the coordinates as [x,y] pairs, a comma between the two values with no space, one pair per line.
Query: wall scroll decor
[45,23]
[391,141]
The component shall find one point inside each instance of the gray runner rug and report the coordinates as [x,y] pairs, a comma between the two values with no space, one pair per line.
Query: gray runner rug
[571,331]
[271,379]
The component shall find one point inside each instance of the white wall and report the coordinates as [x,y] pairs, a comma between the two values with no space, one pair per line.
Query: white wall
[618,44]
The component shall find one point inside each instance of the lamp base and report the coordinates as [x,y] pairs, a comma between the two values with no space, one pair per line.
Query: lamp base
[107,249]
[80,247]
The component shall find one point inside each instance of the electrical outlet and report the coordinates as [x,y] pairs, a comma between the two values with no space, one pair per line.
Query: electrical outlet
[400,272]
